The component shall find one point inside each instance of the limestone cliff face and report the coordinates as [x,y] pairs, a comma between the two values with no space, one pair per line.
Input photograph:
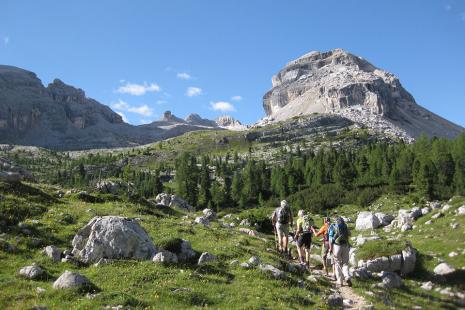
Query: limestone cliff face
[59,116]
[339,82]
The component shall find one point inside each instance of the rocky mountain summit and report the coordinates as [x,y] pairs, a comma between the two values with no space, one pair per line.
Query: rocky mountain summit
[338,82]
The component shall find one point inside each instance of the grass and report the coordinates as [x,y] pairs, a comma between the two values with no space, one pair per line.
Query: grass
[378,248]
[144,284]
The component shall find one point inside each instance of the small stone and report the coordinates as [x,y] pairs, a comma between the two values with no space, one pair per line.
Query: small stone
[40,290]
[437,215]
[165,257]
[53,252]
[245,265]
[71,280]
[335,301]
[443,269]
[254,261]
[32,272]
[234,262]
[453,254]
[428,222]
[428,286]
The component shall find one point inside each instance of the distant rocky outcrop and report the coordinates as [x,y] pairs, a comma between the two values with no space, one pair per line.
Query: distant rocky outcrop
[62,117]
[11,173]
[230,123]
[341,83]
[195,119]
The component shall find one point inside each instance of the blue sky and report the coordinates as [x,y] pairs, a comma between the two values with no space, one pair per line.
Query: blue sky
[217,57]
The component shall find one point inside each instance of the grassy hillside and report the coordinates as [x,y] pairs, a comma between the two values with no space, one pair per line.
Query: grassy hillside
[134,283]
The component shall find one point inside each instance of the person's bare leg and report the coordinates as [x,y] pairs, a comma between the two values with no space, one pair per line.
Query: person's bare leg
[301,257]
[285,244]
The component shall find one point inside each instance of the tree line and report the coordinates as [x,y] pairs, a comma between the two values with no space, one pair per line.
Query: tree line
[322,179]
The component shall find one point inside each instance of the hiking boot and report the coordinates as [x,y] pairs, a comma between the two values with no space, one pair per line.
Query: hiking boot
[349,283]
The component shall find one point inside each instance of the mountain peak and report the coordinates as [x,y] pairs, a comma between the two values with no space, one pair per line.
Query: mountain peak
[339,82]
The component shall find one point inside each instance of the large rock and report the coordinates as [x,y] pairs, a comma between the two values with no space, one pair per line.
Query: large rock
[112,237]
[174,202]
[403,262]
[111,186]
[186,252]
[71,280]
[366,220]
[391,280]
[384,219]
[341,83]
[273,271]
[443,269]
[461,210]
[32,272]
[409,260]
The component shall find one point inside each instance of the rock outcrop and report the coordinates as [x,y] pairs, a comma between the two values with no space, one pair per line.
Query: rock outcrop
[341,83]
[230,123]
[62,117]
[112,237]
[173,201]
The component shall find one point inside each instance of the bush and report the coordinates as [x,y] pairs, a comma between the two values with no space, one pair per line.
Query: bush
[260,218]
[172,245]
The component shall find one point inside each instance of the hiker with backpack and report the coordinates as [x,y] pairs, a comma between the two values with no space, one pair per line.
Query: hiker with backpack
[304,231]
[325,247]
[340,245]
[282,218]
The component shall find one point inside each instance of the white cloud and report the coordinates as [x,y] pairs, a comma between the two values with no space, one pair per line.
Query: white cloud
[184,76]
[222,106]
[144,121]
[161,102]
[6,40]
[144,109]
[236,98]
[122,116]
[193,91]
[138,89]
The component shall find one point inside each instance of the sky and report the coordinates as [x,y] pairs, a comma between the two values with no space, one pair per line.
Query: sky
[216,57]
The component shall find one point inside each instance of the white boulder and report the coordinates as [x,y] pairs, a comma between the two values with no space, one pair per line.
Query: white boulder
[112,237]
[384,219]
[366,220]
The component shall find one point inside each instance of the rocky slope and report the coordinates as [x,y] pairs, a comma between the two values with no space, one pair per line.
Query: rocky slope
[61,117]
[344,84]
[229,122]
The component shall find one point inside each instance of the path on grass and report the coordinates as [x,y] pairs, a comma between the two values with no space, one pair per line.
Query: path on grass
[351,299]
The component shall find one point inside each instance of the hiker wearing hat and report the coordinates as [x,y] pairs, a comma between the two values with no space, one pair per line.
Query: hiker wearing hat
[282,218]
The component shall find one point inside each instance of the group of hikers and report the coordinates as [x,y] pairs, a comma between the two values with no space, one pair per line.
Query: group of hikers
[335,243]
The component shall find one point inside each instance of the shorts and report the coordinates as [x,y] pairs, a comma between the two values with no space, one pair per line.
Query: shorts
[305,239]
[282,230]
[325,249]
